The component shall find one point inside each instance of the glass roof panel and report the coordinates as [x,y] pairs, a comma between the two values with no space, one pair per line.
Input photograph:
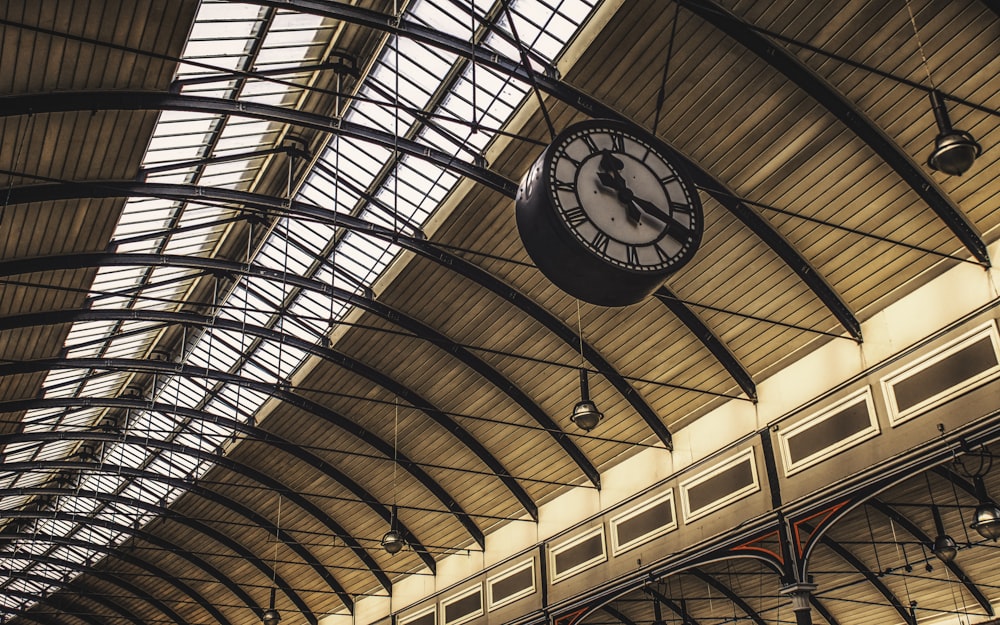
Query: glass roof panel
[234,36]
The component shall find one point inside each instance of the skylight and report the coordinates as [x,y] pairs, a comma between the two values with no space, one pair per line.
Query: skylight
[233,36]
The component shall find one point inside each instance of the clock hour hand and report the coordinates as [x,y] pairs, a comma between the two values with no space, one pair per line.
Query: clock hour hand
[673,227]
[609,177]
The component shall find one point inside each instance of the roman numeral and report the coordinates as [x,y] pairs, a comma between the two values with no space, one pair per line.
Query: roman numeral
[632,253]
[617,143]
[680,208]
[560,185]
[668,180]
[600,242]
[575,216]
[661,254]
[590,144]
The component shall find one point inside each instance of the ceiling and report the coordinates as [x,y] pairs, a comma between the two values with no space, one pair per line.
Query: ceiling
[262,285]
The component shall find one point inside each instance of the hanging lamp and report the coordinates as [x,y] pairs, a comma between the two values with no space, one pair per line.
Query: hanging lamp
[585,415]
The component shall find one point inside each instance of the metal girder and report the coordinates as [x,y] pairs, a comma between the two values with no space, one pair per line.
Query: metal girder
[740,602]
[708,338]
[285,396]
[164,512]
[192,487]
[919,534]
[505,291]
[617,615]
[258,435]
[595,108]
[854,562]
[851,116]
[670,603]
[416,327]
[69,588]
[229,464]
[60,605]
[424,248]
[61,102]
[328,354]
[117,580]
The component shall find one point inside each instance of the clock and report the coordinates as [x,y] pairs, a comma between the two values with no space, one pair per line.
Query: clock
[606,215]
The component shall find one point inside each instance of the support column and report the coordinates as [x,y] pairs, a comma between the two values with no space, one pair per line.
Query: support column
[800,592]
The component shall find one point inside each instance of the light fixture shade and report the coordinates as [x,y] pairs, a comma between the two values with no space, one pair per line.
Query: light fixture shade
[945,547]
[954,150]
[392,542]
[986,520]
[270,617]
[585,415]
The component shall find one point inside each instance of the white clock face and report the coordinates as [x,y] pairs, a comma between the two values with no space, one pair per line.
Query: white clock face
[621,198]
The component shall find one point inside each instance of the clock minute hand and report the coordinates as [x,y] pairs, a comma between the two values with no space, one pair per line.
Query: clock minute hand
[673,227]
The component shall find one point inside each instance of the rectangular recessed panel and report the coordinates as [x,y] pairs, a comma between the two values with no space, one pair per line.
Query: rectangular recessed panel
[426,617]
[720,485]
[511,585]
[464,607]
[578,554]
[829,432]
[959,366]
[643,523]
[946,373]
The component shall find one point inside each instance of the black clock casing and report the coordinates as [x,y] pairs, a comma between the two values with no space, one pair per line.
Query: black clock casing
[606,215]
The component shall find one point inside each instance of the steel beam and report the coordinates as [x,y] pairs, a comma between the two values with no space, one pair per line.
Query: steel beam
[919,534]
[117,580]
[414,326]
[256,434]
[164,512]
[330,355]
[739,601]
[595,108]
[192,487]
[851,116]
[68,588]
[426,249]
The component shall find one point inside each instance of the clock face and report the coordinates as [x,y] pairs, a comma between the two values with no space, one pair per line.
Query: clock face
[620,197]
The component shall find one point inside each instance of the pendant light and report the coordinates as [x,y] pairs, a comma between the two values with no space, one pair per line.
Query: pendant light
[986,518]
[944,546]
[954,150]
[585,415]
[271,616]
[392,541]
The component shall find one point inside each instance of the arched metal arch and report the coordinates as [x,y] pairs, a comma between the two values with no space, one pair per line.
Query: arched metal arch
[194,524]
[426,249]
[851,116]
[919,534]
[12,105]
[196,489]
[228,464]
[659,597]
[419,329]
[595,108]
[870,576]
[116,580]
[330,355]
[740,602]
[69,588]
[288,397]
[60,605]
[258,435]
